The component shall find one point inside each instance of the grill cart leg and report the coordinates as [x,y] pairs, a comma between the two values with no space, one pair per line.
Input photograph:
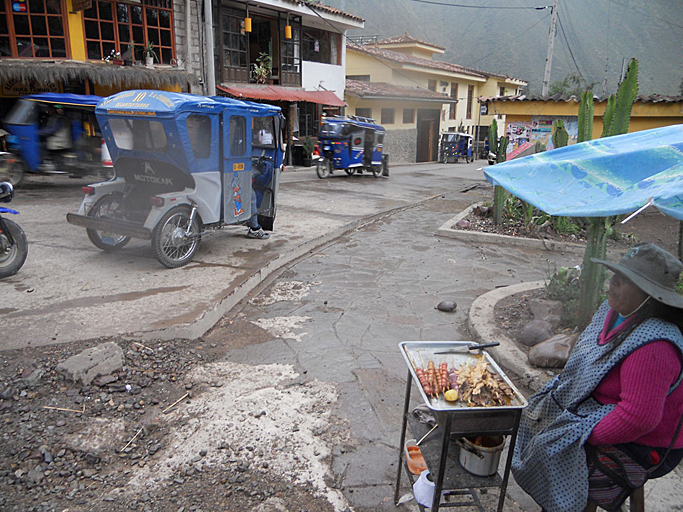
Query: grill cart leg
[406,404]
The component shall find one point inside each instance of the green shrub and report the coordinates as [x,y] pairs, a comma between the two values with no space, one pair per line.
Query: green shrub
[563,285]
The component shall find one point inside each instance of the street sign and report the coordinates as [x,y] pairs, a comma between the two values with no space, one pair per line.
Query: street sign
[484,109]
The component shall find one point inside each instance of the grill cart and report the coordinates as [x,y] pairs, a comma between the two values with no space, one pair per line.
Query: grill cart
[460,424]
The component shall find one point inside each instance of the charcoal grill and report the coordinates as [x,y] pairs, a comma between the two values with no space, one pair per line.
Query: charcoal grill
[454,486]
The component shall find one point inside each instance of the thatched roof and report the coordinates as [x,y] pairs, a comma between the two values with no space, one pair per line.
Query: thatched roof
[103,73]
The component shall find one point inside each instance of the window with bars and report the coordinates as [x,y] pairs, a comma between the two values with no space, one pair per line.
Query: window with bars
[321,46]
[111,26]
[33,28]
[431,85]
[452,106]
[234,40]
[387,116]
[408,115]
[290,53]
[470,96]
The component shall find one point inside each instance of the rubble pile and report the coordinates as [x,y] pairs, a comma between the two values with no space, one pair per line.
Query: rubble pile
[69,445]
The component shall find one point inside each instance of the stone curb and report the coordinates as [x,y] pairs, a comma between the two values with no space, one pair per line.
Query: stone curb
[482,324]
[446,230]
[211,316]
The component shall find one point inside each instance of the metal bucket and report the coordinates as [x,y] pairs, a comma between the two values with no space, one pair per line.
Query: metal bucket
[481,460]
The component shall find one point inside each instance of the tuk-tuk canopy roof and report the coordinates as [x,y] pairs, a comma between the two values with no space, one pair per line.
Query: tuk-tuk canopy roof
[461,134]
[80,100]
[352,120]
[168,104]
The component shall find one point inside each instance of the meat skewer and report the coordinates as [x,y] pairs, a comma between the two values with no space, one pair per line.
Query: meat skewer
[443,370]
[431,376]
[422,377]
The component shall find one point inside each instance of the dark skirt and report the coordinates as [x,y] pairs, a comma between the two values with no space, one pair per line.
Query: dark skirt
[614,472]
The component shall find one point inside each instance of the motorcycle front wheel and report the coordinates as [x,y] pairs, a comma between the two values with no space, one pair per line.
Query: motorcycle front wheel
[323,168]
[106,206]
[175,239]
[12,256]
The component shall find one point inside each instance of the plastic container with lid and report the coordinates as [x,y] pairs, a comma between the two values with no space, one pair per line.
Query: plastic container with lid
[414,458]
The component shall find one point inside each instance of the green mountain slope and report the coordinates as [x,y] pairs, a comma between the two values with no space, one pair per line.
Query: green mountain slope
[594,37]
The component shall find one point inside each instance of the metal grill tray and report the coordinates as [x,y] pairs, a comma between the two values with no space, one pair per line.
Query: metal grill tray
[419,351]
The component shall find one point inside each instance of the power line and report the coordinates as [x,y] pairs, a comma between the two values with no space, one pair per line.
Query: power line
[576,42]
[513,38]
[537,8]
[371,55]
[570,48]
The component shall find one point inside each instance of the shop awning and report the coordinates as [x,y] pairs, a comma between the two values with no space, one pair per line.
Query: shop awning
[276,93]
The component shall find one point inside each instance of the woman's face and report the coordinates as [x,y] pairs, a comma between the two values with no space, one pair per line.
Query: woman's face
[624,296]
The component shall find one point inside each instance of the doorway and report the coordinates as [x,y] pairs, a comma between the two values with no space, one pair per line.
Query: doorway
[427,134]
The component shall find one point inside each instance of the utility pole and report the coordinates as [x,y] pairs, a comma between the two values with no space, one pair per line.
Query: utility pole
[210,85]
[549,56]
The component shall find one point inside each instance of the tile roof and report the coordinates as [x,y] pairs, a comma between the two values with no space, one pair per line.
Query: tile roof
[326,8]
[402,58]
[654,98]
[406,38]
[362,89]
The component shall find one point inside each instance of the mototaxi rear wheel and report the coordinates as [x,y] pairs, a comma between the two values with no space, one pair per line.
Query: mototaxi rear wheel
[377,171]
[176,237]
[12,256]
[106,206]
[351,171]
[323,167]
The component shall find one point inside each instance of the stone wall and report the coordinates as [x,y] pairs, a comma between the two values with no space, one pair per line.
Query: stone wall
[401,146]
[189,57]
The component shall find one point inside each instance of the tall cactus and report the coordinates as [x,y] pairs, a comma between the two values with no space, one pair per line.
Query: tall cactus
[620,114]
[615,122]
[498,191]
[502,153]
[586,117]
[493,137]
[560,135]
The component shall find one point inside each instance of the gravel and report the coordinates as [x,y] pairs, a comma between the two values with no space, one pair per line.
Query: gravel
[120,443]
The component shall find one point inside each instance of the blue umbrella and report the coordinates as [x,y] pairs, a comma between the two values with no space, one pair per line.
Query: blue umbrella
[602,177]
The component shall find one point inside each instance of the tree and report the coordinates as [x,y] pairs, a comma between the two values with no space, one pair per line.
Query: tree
[572,85]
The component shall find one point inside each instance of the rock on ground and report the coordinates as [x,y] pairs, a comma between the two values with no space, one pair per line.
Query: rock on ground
[92,363]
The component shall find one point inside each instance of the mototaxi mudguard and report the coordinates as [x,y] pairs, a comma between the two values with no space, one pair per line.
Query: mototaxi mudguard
[100,190]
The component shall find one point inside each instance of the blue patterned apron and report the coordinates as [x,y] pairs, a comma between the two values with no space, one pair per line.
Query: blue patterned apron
[549,461]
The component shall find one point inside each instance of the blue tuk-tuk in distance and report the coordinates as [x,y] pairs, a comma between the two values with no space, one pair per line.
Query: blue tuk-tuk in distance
[83,151]
[184,163]
[351,143]
[454,146]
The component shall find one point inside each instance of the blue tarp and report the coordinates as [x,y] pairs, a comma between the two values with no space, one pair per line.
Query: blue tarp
[602,177]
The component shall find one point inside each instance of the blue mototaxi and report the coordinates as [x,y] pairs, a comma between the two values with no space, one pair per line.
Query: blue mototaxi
[454,146]
[184,163]
[26,122]
[351,143]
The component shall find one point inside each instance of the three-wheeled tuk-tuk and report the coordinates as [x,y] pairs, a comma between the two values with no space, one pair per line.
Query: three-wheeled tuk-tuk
[184,163]
[455,145]
[36,121]
[351,143]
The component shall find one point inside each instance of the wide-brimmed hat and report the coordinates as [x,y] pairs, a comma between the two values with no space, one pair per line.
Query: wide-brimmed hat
[652,269]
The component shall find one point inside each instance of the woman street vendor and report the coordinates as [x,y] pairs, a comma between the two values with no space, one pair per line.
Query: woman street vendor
[612,418]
